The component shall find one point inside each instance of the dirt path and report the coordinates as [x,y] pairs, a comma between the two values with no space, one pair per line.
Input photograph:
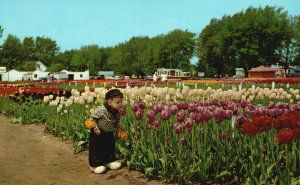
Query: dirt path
[29,156]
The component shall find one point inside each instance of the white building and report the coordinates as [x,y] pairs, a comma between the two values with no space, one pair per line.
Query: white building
[2,72]
[41,66]
[85,75]
[15,75]
[38,74]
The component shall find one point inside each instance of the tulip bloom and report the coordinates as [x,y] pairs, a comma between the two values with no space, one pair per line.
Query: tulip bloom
[223,135]
[150,115]
[178,129]
[297,133]
[261,123]
[165,115]
[135,138]
[249,128]
[135,107]
[180,116]
[156,123]
[138,115]
[122,111]
[264,150]
[173,109]
[167,138]
[284,136]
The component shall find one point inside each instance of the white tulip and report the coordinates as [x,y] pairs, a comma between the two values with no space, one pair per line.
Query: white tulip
[46,99]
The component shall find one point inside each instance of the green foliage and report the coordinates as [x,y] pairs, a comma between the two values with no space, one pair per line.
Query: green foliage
[88,57]
[55,67]
[143,55]
[296,28]
[46,50]
[27,66]
[29,49]
[1,31]
[12,52]
[131,57]
[15,54]
[253,37]
[177,49]
[246,39]
[197,155]
[65,59]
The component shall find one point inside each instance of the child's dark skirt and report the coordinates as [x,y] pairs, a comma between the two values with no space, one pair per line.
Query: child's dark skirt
[101,148]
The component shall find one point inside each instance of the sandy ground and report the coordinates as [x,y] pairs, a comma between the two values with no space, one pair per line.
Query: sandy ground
[29,156]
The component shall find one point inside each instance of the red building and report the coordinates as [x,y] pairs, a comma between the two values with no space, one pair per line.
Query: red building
[261,72]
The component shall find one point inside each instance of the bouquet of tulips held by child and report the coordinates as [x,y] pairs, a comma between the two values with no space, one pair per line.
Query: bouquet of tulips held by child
[122,134]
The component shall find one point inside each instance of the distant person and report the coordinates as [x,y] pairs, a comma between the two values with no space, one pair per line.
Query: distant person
[164,77]
[49,77]
[154,77]
[102,139]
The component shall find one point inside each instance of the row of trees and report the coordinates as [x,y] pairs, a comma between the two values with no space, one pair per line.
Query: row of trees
[17,54]
[256,36]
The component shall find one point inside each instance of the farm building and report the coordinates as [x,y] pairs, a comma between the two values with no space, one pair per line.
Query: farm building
[261,72]
[85,75]
[37,75]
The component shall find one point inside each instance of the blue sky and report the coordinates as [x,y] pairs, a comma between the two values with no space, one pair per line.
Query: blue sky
[75,23]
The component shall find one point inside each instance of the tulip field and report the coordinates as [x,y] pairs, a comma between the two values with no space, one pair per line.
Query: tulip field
[183,132]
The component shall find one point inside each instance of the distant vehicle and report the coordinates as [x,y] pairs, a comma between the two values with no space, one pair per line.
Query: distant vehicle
[172,73]
[239,73]
[238,76]
[99,77]
[293,75]
[109,78]
[148,77]
[293,72]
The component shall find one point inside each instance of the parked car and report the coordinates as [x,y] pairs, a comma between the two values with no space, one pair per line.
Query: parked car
[99,77]
[148,77]
[238,76]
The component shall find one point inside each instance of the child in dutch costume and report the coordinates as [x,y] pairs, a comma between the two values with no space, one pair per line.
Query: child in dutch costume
[102,140]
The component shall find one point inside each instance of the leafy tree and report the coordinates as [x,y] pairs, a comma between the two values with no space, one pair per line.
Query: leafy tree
[154,52]
[88,57]
[29,49]
[246,39]
[106,54]
[27,66]
[177,49]
[46,50]
[288,52]
[138,56]
[295,45]
[12,52]
[143,55]
[119,61]
[136,51]
[55,67]
[65,59]
[1,31]
[1,57]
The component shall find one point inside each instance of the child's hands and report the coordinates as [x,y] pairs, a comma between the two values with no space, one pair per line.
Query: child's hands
[96,131]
